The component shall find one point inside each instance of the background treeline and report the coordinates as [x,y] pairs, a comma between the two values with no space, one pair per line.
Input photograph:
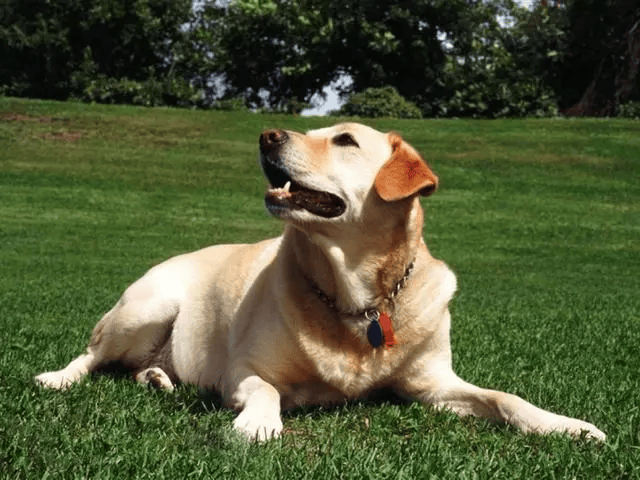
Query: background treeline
[484,58]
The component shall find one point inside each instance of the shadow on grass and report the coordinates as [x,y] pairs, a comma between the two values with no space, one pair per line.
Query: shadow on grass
[201,401]
[311,422]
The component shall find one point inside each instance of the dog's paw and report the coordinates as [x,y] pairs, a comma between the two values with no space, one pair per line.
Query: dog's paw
[574,427]
[56,380]
[258,426]
[578,429]
[154,376]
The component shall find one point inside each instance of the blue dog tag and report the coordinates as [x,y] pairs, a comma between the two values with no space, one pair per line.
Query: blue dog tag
[375,334]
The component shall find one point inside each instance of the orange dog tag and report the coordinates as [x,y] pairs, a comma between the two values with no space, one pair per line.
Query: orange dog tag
[387,329]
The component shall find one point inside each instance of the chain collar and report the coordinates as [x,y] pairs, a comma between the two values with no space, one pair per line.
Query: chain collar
[368,313]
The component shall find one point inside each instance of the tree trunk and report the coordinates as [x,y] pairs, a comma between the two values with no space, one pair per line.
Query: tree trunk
[613,83]
[626,81]
[594,103]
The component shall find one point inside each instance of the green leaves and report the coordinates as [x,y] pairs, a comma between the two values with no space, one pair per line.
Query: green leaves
[488,58]
[60,49]
[380,102]
[255,7]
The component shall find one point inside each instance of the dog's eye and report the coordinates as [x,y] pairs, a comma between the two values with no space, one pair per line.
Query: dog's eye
[345,140]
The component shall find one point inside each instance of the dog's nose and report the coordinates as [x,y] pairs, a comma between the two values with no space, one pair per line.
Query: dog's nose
[271,139]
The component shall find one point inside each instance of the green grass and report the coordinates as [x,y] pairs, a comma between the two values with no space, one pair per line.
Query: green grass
[540,219]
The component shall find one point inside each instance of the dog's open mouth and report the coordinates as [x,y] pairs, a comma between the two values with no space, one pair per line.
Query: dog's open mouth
[284,192]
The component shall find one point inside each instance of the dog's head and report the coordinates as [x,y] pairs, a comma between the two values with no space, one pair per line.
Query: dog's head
[328,174]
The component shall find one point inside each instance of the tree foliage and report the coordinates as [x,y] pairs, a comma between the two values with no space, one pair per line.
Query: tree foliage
[263,51]
[449,57]
[491,71]
[272,51]
[480,58]
[56,49]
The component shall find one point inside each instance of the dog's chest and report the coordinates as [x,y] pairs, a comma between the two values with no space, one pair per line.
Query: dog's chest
[337,379]
[350,367]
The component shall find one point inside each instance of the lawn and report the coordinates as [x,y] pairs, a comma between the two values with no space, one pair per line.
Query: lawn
[540,219]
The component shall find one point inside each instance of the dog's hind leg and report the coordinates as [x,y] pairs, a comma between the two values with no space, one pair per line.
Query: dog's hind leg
[131,334]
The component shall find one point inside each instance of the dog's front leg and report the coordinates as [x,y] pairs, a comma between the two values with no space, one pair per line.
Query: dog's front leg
[259,406]
[445,389]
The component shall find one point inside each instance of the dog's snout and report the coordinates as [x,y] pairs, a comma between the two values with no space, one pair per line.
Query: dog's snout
[271,139]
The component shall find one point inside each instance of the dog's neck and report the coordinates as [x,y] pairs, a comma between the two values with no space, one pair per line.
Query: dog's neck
[359,269]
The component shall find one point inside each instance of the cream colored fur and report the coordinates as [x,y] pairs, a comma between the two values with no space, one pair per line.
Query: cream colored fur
[242,319]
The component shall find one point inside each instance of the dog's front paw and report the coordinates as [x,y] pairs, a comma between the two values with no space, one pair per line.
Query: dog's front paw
[573,426]
[579,428]
[257,425]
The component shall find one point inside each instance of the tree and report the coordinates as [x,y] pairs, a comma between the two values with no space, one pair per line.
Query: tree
[264,52]
[57,49]
[449,57]
[492,65]
[275,51]
[537,42]
[600,69]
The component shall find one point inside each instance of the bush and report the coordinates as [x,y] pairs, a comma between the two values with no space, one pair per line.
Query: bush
[629,110]
[499,98]
[149,93]
[291,106]
[233,104]
[295,107]
[380,102]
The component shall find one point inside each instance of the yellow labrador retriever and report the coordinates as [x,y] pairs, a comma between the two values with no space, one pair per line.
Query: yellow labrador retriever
[346,301]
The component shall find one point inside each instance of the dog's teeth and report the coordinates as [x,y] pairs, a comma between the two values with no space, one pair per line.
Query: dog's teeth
[287,186]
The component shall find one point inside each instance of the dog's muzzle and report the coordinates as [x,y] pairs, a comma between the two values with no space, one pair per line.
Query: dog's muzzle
[285,193]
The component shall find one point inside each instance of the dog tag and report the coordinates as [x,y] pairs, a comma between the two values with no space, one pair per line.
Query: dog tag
[375,333]
[387,330]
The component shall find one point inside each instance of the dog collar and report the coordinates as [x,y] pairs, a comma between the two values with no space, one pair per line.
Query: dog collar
[380,328]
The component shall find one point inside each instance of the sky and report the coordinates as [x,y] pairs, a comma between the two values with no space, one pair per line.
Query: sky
[333,101]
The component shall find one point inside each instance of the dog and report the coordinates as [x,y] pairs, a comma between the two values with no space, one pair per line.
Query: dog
[347,301]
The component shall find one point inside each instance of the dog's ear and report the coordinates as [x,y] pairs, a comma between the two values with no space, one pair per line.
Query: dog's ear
[405,173]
